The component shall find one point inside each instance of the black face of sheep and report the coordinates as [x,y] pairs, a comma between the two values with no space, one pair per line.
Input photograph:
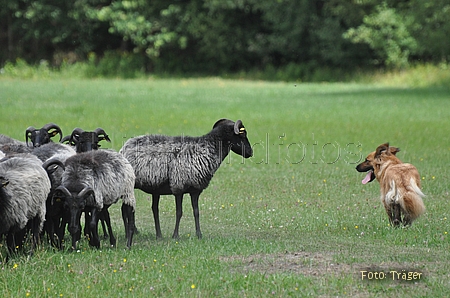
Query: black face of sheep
[239,143]
[87,140]
[75,203]
[41,136]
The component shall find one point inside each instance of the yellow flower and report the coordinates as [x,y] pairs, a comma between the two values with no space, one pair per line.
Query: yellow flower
[192,286]
[356,227]
[15,266]
[124,260]
[28,294]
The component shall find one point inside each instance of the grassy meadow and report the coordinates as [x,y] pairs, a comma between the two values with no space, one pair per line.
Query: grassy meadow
[293,220]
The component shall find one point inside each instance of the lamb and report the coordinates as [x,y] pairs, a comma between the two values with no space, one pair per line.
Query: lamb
[166,165]
[92,181]
[23,192]
[42,135]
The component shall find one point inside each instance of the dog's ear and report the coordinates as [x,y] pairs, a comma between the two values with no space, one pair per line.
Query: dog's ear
[382,148]
[394,150]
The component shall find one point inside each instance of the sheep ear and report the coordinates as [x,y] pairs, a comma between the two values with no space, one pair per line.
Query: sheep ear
[239,127]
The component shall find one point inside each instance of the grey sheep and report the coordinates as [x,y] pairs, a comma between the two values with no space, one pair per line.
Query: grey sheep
[4,139]
[11,146]
[92,181]
[55,222]
[83,141]
[24,189]
[166,165]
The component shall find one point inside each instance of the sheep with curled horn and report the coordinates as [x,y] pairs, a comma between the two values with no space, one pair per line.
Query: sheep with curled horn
[55,219]
[24,187]
[40,136]
[92,181]
[84,141]
[87,140]
[166,165]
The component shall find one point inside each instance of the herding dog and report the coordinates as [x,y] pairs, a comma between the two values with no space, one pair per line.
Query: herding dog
[399,184]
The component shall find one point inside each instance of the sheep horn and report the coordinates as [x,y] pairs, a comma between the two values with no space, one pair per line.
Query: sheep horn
[60,190]
[66,140]
[53,161]
[74,137]
[102,135]
[57,130]
[86,192]
[28,133]
[239,127]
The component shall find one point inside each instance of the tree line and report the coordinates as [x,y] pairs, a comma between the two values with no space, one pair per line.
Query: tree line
[219,36]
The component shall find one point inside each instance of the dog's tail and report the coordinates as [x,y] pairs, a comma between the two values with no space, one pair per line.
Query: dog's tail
[412,202]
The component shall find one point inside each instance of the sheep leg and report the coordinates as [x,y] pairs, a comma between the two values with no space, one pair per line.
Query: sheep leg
[93,228]
[105,228]
[105,218]
[61,228]
[194,202]
[35,223]
[155,209]
[179,208]
[129,222]
[11,242]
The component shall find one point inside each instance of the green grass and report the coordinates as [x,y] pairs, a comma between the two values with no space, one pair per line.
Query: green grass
[294,220]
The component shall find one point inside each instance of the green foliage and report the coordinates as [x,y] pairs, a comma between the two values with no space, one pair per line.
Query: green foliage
[116,64]
[273,225]
[386,32]
[431,28]
[214,37]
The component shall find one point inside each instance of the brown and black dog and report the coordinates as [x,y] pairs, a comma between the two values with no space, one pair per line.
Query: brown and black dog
[399,184]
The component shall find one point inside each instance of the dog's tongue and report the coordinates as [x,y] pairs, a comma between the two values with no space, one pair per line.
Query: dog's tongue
[367,178]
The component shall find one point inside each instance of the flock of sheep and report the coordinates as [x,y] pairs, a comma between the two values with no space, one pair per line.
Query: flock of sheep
[46,185]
